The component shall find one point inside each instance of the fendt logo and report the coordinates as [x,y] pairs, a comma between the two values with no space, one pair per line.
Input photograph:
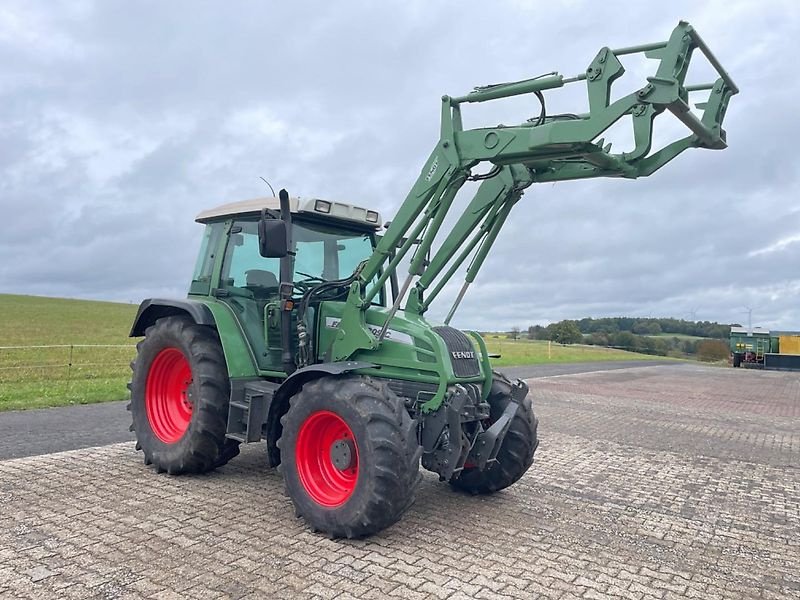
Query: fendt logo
[459,355]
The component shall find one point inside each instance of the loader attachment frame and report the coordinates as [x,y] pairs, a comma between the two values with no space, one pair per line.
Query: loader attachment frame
[544,149]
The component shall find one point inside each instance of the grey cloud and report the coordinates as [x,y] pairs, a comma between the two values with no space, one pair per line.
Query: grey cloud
[121,122]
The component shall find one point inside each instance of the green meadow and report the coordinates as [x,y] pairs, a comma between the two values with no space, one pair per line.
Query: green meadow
[57,352]
[536,352]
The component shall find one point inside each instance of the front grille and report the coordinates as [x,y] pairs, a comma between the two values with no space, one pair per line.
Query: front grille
[463,356]
[413,390]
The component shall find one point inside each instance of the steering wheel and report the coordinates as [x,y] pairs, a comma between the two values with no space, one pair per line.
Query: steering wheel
[309,278]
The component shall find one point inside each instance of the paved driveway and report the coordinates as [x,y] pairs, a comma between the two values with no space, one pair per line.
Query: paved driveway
[44,431]
[667,482]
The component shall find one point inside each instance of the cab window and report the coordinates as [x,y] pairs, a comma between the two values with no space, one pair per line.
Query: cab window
[321,253]
[201,278]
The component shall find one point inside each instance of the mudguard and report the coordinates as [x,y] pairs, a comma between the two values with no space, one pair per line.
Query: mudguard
[152,309]
[280,401]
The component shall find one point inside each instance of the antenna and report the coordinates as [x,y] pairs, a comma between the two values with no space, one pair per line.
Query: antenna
[270,187]
[749,310]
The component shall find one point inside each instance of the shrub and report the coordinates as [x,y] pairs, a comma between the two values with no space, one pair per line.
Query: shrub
[712,350]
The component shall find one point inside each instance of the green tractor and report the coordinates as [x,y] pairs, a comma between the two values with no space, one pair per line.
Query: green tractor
[297,330]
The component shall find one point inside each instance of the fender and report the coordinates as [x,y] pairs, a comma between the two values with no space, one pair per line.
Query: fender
[152,309]
[290,386]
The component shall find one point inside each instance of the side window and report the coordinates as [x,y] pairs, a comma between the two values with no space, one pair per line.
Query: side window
[244,267]
[201,278]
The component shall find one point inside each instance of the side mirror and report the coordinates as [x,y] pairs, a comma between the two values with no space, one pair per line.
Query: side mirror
[272,238]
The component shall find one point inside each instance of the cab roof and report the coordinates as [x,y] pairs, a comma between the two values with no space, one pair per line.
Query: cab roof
[312,206]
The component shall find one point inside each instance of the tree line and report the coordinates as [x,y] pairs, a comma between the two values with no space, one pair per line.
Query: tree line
[655,326]
[644,335]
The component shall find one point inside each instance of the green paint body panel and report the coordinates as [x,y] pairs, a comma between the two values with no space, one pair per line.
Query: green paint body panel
[411,350]
[238,354]
[757,342]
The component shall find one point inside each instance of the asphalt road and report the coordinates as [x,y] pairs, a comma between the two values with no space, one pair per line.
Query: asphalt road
[44,431]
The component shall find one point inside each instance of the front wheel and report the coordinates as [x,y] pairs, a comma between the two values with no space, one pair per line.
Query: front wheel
[517,448]
[349,455]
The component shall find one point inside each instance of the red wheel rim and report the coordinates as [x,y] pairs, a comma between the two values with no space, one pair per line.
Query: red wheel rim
[166,395]
[323,436]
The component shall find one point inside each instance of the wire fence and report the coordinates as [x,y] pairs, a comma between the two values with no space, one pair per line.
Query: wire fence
[63,373]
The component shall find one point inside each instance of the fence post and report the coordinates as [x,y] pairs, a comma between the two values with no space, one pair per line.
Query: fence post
[69,366]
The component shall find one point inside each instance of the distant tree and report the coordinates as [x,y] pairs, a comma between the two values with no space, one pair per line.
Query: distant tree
[661,346]
[624,339]
[654,326]
[648,327]
[712,350]
[642,344]
[689,346]
[514,333]
[565,332]
[535,331]
[598,338]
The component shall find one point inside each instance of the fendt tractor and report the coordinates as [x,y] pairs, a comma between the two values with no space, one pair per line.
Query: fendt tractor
[298,331]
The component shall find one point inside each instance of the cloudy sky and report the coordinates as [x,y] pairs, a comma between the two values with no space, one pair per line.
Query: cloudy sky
[120,121]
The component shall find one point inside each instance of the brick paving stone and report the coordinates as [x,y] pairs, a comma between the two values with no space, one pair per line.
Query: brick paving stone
[659,482]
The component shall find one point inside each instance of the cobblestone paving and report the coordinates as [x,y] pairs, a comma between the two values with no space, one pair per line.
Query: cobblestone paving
[668,482]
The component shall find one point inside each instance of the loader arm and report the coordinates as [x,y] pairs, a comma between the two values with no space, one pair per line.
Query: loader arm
[544,149]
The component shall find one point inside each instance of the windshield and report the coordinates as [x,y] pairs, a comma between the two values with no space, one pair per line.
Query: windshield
[322,253]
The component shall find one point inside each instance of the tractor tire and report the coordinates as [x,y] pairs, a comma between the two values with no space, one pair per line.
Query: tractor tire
[179,398]
[516,451]
[349,456]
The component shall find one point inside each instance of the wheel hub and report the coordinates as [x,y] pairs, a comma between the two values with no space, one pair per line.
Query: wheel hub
[343,453]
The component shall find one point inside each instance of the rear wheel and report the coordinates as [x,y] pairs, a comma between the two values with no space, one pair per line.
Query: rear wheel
[179,398]
[349,455]
[518,446]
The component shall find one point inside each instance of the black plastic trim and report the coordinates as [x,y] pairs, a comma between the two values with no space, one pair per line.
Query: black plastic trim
[152,309]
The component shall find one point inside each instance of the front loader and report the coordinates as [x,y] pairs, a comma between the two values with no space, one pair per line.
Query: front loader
[298,331]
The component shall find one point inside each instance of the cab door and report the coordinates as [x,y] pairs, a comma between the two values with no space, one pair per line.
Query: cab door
[249,285]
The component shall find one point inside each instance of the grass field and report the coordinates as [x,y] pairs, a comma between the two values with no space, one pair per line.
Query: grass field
[81,351]
[680,336]
[62,375]
[534,352]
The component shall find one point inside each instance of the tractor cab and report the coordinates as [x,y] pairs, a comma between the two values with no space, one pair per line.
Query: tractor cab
[327,240]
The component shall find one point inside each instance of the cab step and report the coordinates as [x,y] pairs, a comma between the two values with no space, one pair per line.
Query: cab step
[247,410]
